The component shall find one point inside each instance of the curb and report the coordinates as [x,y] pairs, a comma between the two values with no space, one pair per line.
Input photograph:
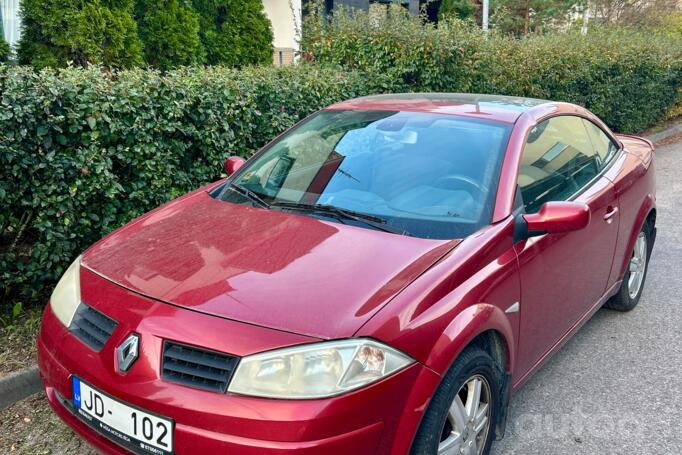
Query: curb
[657,137]
[19,385]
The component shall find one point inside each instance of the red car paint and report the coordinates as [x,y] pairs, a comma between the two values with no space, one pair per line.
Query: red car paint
[267,279]
[559,216]
[246,256]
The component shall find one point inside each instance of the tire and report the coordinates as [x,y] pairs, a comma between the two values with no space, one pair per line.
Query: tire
[626,299]
[473,363]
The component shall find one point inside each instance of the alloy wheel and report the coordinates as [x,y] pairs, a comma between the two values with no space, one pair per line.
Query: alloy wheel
[637,266]
[468,420]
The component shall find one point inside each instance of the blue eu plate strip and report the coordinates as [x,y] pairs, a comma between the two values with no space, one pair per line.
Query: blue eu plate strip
[76,391]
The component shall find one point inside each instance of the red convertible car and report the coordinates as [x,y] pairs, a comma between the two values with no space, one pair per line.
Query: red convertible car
[377,280]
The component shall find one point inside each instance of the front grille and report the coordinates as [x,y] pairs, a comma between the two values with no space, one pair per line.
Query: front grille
[92,327]
[197,367]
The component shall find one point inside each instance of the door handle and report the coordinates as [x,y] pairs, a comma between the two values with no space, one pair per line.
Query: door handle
[611,212]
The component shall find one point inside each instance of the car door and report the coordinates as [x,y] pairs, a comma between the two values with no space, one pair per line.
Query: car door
[626,179]
[562,275]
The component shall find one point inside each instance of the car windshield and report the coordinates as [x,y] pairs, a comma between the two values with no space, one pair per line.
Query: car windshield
[421,174]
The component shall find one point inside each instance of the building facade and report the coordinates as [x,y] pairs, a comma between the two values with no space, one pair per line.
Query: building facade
[11,23]
[286,19]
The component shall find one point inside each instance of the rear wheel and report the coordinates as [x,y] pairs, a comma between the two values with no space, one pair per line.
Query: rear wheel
[460,418]
[633,281]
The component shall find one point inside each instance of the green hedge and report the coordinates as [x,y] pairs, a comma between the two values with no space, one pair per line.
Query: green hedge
[83,152]
[628,78]
[4,49]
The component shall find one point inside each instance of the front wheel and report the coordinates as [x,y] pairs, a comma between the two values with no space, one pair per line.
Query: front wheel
[460,418]
[633,281]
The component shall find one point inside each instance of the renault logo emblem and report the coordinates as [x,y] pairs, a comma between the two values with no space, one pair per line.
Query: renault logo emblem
[127,352]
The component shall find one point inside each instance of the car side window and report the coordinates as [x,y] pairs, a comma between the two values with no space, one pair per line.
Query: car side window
[558,160]
[603,146]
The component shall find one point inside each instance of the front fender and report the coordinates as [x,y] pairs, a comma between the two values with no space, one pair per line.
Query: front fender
[470,323]
[440,313]
[462,296]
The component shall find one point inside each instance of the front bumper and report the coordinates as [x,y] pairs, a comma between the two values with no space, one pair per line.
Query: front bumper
[379,419]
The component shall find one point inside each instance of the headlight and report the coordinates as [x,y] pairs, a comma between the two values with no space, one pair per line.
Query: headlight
[67,294]
[316,370]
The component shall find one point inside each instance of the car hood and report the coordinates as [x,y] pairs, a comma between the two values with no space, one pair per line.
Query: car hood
[274,269]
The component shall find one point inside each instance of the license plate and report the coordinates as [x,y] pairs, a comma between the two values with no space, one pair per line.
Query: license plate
[135,429]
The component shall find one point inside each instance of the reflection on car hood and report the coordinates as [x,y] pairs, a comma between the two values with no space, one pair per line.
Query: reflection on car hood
[274,269]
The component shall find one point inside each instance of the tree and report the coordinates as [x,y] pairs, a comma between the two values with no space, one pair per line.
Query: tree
[463,9]
[4,47]
[521,17]
[633,12]
[234,32]
[169,30]
[58,32]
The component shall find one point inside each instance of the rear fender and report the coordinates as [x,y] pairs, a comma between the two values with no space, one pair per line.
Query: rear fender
[647,206]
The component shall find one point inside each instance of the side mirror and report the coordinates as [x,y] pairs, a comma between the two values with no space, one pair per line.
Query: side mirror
[553,217]
[232,164]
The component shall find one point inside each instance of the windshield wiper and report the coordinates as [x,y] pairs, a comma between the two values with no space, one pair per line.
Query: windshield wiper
[341,214]
[252,196]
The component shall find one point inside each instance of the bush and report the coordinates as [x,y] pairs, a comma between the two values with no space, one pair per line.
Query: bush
[672,26]
[59,32]
[169,30]
[462,9]
[4,48]
[628,78]
[235,32]
[82,152]
[398,51]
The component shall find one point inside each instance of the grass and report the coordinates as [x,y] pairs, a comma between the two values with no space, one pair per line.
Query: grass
[18,341]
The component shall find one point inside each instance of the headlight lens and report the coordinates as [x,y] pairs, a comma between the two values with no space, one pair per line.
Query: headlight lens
[316,370]
[67,294]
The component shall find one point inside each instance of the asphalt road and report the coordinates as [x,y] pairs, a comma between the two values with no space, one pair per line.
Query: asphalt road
[616,386]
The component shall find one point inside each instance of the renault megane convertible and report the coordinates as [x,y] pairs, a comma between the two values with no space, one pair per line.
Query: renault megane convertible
[379,279]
